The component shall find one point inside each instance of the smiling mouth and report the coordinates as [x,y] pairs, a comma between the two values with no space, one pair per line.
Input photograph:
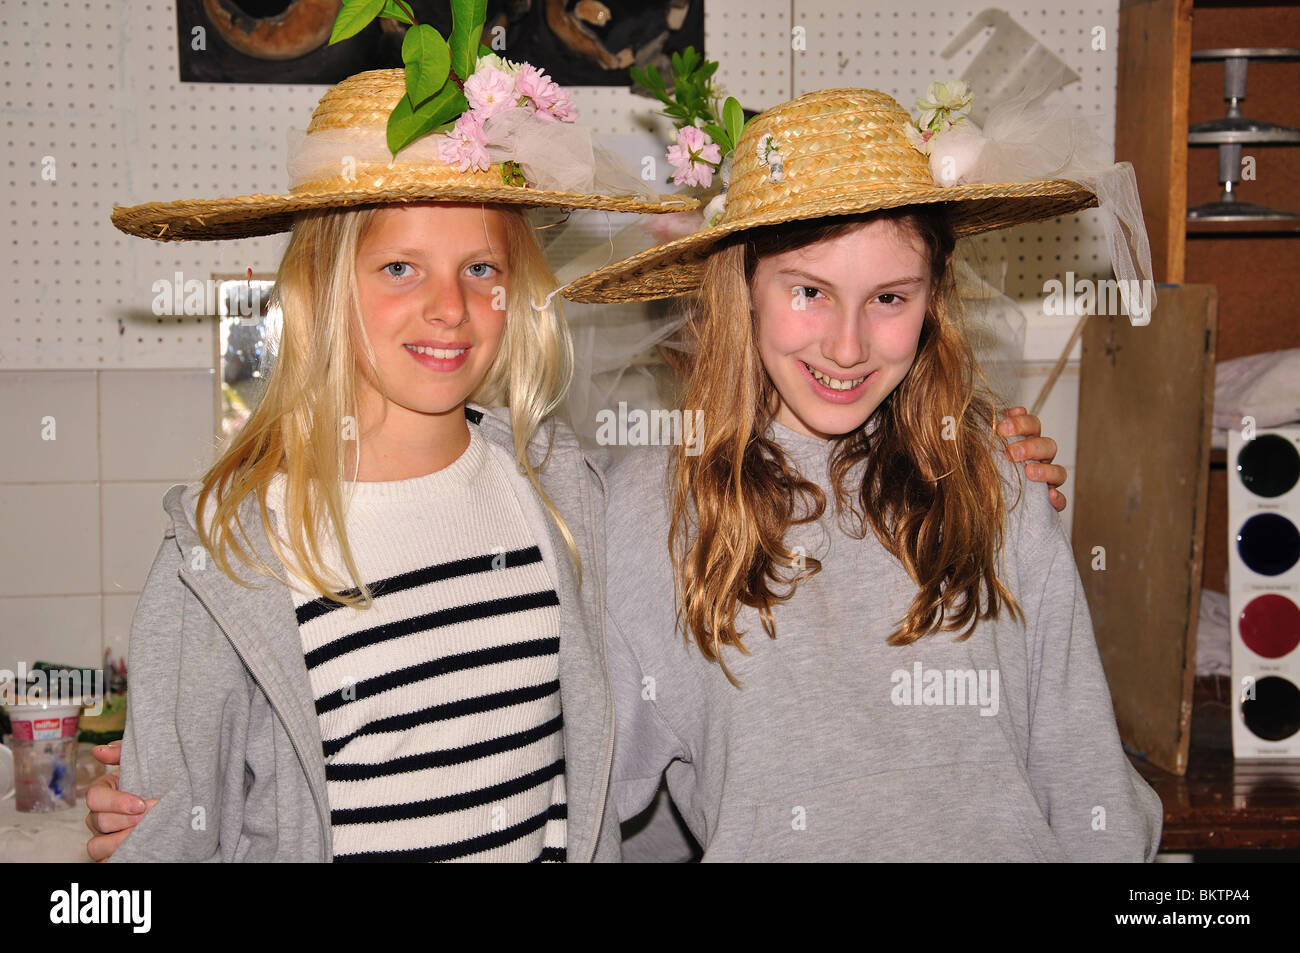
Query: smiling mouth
[443,354]
[834,383]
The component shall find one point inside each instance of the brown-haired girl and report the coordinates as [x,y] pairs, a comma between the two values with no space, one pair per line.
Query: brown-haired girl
[887,654]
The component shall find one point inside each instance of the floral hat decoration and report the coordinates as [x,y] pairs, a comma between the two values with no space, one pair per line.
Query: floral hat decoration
[457,124]
[851,151]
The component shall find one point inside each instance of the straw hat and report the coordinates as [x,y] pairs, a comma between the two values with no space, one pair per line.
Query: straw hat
[358,109]
[842,152]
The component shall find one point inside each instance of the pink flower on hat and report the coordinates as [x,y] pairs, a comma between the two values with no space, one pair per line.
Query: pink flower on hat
[546,95]
[490,91]
[561,111]
[465,145]
[695,157]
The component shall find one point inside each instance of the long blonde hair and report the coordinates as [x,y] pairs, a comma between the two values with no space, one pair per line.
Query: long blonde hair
[935,504]
[299,427]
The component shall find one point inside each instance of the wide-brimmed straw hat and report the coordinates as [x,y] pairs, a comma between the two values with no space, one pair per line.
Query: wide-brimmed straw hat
[357,111]
[841,152]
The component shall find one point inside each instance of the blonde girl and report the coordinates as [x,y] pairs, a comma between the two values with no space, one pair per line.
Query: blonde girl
[374,630]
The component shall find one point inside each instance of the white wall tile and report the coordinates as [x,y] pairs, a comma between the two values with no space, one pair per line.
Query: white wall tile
[156,425]
[63,629]
[49,428]
[133,521]
[51,539]
[118,612]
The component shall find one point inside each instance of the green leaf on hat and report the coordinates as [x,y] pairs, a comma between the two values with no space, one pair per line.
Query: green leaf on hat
[406,124]
[719,135]
[734,117]
[427,60]
[353,17]
[394,11]
[467,20]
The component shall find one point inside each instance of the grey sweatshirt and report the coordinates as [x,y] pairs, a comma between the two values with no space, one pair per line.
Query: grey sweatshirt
[222,726]
[839,746]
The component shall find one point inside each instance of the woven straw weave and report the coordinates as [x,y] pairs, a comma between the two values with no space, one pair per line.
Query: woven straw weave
[843,152]
[362,101]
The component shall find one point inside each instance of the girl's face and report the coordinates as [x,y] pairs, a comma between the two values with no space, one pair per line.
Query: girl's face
[431,281]
[838,324]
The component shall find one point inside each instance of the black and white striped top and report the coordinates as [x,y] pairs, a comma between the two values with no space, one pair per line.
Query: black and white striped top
[440,706]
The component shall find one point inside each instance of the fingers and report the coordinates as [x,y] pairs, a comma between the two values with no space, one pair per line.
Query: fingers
[1040,449]
[1048,473]
[101,823]
[1057,498]
[108,754]
[105,798]
[1019,423]
[101,847]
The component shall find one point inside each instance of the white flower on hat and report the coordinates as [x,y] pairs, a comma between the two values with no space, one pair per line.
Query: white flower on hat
[940,98]
[713,211]
[939,115]
[492,61]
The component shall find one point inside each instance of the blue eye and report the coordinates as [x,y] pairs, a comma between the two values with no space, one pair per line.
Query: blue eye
[480,269]
[397,264]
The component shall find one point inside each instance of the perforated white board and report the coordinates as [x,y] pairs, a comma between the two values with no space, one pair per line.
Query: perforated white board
[94,86]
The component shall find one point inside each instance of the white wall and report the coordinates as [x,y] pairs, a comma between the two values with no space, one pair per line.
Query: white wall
[90,93]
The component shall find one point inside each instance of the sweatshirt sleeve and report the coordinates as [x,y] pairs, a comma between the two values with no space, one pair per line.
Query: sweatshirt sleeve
[644,745]
[170,749]
[639,629]
[1098,806]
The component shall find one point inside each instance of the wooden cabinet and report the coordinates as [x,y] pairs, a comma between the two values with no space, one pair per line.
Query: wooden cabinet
[1146,481]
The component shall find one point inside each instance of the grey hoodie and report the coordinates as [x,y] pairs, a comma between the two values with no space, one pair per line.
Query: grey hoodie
[222,725]
[1005,748]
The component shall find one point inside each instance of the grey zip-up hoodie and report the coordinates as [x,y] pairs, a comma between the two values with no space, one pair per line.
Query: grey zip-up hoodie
[222,726]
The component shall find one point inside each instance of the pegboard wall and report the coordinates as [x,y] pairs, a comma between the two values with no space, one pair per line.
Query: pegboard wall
[94,114]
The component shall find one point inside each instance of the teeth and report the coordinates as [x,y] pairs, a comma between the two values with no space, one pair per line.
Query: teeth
[438,352]
[834,383]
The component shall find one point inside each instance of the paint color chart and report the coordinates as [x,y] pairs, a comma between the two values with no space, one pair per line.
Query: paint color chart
[1264,591]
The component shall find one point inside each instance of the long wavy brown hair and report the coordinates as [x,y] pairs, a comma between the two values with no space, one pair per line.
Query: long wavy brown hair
[923,479]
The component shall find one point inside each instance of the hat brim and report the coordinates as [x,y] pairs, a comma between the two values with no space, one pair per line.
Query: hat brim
[676,267]
[248,216]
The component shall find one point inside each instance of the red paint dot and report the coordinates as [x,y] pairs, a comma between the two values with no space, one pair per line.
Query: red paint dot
[1270,625]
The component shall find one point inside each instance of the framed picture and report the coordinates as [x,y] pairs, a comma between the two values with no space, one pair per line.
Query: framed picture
[247,338]
[578,42]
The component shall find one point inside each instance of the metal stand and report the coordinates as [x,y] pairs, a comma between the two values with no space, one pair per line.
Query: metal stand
[1235,130]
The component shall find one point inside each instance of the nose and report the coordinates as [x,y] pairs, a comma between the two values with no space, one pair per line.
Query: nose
[845,341]
[446,304]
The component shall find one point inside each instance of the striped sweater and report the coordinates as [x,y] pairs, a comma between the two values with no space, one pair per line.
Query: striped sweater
[439,706]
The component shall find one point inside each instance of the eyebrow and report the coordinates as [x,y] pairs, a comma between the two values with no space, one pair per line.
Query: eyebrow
[822,282]
[399,252]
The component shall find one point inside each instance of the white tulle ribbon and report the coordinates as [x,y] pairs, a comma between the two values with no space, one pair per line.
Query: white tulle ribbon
[553,156]
[559,156]
[1025,140]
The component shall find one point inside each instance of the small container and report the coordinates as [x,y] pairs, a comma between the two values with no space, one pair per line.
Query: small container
[44,756]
